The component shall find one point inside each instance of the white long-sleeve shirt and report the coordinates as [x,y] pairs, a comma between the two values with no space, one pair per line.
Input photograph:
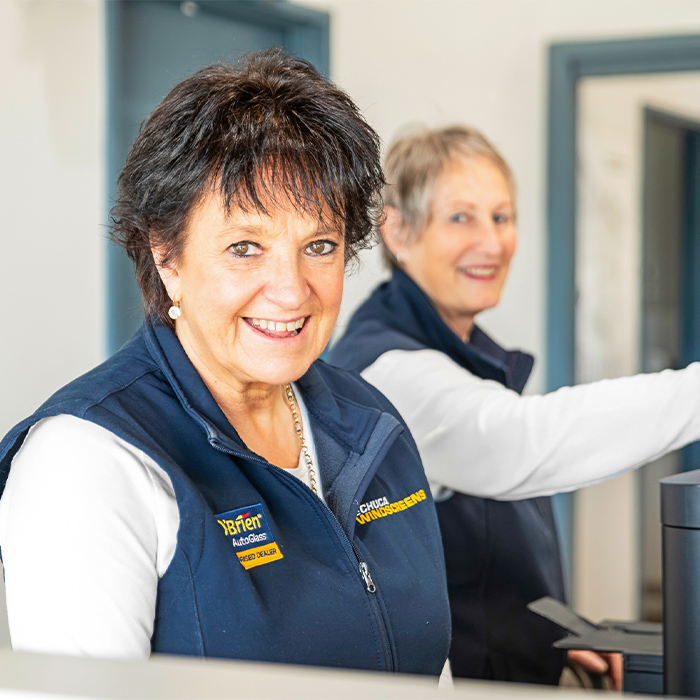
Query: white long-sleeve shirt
[88,525]
[476,436]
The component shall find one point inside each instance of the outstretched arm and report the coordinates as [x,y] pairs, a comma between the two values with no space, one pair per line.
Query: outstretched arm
[477,437]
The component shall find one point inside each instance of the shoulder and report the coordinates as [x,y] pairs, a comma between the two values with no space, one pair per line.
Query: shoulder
[413,365]
[119,373]
[68,450]
[412,378]
[82,473]
[80,500]
[348,385]
[364,342]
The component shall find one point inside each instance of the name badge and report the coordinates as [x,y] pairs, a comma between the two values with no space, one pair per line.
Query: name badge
[250,535]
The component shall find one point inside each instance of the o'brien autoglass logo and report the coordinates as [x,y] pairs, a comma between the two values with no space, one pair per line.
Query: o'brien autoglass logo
[250,535]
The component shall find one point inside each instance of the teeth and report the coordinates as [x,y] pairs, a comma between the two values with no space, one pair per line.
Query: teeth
[480,271]
[277,325]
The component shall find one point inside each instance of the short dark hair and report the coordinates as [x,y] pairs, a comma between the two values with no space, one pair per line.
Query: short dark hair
[270,130]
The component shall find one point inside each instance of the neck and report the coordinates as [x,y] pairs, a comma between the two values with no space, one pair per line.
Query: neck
[259,413]
[461,326]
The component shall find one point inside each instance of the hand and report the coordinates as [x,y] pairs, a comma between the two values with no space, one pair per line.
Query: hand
[608,664]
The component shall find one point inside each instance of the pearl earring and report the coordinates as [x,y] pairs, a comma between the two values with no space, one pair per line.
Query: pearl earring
[174,310]
[399,256]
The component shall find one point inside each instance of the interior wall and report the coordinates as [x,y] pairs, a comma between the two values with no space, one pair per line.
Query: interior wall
[51,170]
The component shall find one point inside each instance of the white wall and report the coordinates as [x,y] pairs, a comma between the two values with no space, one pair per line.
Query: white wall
[51,190]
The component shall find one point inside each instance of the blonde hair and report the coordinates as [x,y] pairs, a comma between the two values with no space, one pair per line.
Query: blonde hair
[416,160]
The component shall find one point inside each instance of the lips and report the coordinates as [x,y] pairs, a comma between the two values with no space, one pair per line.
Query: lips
[277,329]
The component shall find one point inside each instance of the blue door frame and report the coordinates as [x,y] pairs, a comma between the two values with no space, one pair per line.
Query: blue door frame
[568,62]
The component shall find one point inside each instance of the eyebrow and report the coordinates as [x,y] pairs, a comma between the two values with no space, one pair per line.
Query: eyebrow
[324,230]
[253,229]
[474,205]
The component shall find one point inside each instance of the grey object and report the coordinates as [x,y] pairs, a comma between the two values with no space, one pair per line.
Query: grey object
[680,518]
[640,643]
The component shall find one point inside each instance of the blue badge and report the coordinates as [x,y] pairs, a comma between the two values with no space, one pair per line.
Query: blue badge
[250,535]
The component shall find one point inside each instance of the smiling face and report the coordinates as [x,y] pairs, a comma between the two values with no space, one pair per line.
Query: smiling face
[461,258]
[259,295]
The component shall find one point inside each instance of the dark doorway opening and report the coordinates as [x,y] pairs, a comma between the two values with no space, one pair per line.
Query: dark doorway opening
[670,304]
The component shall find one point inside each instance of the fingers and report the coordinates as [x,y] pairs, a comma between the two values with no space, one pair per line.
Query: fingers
[604,663]
[592,662]
[615,669]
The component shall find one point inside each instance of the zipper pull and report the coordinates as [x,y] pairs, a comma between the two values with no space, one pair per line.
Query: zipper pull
[364,571]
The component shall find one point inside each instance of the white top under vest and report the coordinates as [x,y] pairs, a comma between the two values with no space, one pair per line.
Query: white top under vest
[88,524]
[478,437]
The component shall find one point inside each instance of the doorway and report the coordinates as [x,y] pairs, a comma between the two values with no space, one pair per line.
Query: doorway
[571,66]
[669,335]
[152,45]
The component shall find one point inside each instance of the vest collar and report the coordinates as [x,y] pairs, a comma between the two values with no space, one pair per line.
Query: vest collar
[348,423]
[406,308]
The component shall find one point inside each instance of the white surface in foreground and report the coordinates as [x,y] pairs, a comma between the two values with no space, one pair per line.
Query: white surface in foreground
[33,676]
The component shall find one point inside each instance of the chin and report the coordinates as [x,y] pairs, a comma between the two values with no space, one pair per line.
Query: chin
[485,306]
[277,373]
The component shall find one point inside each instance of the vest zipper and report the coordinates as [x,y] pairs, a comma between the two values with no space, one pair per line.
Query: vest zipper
[366,577]
[362,567]
[371,590]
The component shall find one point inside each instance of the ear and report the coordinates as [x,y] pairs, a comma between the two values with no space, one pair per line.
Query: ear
[169,274]
[393,231]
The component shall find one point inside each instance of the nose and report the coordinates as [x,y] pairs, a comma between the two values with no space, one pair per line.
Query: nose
[489,239]
[287,286]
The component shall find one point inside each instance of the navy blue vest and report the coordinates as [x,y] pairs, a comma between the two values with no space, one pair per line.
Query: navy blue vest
[500,555]
[263,570]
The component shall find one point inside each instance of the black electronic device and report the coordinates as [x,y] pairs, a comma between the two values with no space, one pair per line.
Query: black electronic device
[680,520]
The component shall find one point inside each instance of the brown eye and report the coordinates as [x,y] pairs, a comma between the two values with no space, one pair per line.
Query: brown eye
[321,247]
[243,249]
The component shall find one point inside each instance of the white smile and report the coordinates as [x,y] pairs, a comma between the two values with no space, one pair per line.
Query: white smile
[266,324]
[480,271]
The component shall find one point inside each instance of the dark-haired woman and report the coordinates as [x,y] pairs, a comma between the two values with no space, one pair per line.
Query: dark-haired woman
[200,492]
[493,457]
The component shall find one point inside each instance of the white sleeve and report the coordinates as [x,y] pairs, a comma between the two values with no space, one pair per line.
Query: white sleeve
[477,437]
[88,524]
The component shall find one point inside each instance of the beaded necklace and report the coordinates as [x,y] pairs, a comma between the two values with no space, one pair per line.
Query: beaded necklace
[300,432]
